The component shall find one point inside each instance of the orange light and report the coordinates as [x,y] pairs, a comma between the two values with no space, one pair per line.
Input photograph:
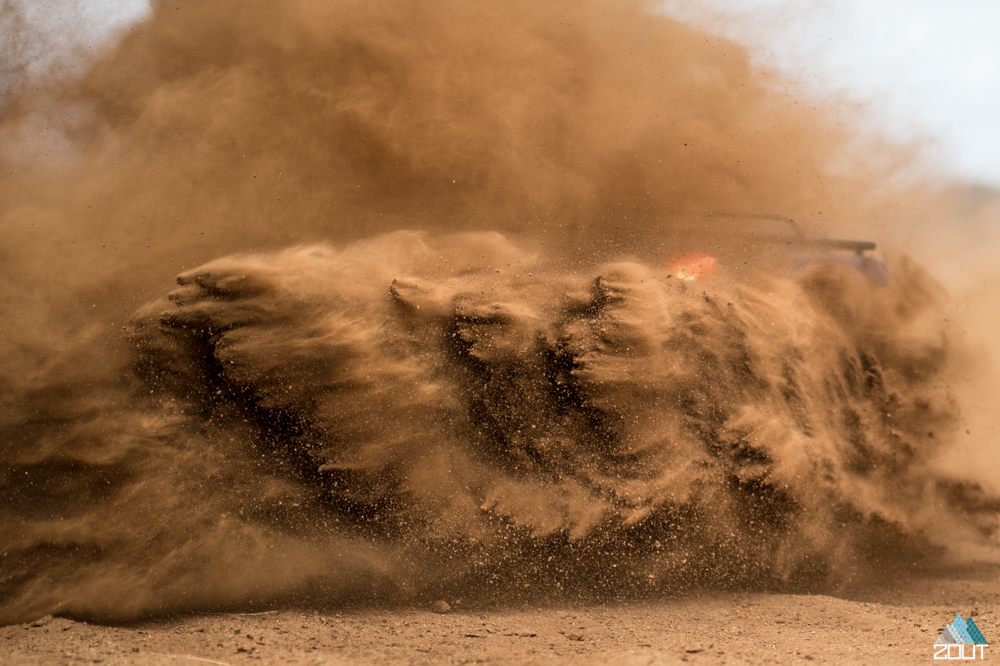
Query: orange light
[693,266]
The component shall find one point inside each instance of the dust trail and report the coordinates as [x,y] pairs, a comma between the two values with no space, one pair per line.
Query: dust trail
[513,391]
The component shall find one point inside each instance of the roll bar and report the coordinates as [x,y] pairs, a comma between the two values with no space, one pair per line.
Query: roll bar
[800,238]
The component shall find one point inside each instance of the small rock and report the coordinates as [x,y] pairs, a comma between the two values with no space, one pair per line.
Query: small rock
[61,624]
[42,621]
[574,637]
[441,607]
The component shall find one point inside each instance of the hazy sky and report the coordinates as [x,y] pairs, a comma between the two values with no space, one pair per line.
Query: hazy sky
[55,33]
[926,68]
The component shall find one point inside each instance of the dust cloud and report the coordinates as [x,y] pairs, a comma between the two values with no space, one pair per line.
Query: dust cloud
[427,339]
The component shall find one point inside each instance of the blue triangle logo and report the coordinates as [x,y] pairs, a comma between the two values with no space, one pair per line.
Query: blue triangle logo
[977,636]
[962,631]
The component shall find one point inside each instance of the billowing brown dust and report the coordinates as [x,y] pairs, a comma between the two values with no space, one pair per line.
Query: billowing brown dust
[442,349]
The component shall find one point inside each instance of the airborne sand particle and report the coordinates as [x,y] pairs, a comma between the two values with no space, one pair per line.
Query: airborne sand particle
[374,414]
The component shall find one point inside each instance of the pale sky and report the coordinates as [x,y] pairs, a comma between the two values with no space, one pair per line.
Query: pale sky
[927,69]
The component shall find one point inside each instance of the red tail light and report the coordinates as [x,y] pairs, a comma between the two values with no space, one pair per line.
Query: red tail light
[692,266]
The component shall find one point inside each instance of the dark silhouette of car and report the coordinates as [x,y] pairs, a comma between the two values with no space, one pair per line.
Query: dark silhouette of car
[727,242]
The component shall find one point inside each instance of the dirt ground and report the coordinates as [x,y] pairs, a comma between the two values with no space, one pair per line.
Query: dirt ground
[892,625]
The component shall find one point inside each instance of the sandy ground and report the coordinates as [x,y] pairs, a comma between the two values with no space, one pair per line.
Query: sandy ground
[892,625]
